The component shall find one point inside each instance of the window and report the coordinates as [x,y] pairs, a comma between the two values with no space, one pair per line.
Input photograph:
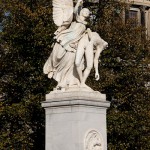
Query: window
[134,16]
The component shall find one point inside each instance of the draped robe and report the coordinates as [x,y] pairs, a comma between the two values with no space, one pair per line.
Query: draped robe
[61,63]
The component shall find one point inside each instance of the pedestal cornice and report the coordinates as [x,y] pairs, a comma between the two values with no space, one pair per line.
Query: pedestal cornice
[85,98]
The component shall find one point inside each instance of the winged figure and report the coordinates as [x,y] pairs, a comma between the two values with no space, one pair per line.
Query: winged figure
[62,12]
[71,39]
[68,34]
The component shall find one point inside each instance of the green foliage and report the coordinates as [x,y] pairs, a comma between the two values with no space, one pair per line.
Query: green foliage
[124,70]
[25,44]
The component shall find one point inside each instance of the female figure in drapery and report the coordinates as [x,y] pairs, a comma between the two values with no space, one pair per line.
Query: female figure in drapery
[60,64]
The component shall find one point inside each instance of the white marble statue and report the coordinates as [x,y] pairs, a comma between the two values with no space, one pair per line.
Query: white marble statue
[76,48]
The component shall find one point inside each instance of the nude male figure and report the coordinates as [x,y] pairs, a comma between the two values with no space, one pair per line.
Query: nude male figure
[89,44]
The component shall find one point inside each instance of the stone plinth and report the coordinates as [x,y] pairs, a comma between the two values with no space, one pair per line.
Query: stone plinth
[76,120]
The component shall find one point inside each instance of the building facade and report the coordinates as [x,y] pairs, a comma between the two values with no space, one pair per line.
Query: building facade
[140,9]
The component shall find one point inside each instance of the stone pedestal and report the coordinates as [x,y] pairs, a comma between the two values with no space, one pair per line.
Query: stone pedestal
[76,120]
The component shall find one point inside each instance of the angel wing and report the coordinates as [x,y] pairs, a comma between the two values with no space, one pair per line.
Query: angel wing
[62,11]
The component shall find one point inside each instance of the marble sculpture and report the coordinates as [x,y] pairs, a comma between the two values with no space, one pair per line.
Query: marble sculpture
[76,49]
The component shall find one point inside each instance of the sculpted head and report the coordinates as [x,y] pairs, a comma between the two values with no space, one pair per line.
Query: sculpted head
[97,40]
[85,12]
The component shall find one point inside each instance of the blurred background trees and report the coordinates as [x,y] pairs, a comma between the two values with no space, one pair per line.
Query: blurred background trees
[26,37]
[124,69]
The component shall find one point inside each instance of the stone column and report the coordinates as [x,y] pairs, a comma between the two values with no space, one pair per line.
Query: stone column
[142,9]
[148,23]
[76,120]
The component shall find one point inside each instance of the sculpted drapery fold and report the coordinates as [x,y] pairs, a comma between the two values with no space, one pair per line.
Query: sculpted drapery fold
[74,46]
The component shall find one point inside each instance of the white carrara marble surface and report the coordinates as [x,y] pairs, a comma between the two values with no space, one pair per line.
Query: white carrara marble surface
[76,48]
[76,121]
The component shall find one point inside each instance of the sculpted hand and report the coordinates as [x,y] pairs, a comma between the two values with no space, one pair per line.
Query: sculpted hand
[50,75]
[105,45]
[97,76]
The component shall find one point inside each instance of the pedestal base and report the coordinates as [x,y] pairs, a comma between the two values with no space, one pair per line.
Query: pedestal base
[76,121]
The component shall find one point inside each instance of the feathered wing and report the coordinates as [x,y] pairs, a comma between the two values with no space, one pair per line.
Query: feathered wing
[62,12]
